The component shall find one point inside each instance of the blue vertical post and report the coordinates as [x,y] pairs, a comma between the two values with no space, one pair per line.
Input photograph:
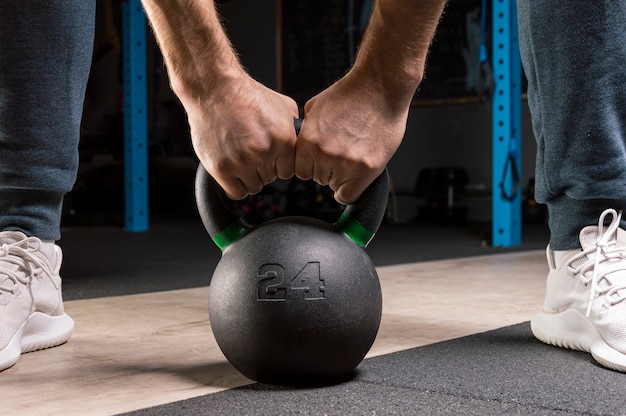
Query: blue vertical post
[506,129]
[135,116]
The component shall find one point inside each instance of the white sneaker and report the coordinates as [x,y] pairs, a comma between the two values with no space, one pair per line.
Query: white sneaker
[31,306]
[585,305]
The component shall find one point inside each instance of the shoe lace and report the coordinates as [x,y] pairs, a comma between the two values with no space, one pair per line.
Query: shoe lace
[20,264]
[608,258]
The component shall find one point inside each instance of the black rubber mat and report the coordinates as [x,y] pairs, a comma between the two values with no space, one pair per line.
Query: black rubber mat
[500,372]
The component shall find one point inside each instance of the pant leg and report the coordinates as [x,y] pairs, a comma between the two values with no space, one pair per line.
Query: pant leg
[45,58]
[574,56]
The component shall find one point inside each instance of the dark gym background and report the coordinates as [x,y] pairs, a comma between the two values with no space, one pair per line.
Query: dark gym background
[448,133]
[447,147]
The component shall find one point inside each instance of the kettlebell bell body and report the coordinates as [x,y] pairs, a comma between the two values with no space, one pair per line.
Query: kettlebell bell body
[294,300]
[303,305]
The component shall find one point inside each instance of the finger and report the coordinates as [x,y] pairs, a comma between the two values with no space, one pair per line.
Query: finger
[251,182]
[254,187]
[266,178]
[304,165]
[286,164]
[309,104]
[266,172]
[349,191]
[346,195]
[233,188]
[285,160]
[322,176]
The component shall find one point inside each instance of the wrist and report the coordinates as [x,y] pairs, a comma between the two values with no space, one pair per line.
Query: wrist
[391,91]
[197,82]
[392,54]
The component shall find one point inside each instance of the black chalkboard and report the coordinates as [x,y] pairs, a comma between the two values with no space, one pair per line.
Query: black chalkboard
[319,39]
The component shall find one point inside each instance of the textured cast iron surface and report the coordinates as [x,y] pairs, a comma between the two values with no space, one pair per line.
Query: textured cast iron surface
[295,301]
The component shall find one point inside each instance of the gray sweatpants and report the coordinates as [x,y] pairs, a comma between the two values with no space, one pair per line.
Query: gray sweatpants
[574,56]
[45,58]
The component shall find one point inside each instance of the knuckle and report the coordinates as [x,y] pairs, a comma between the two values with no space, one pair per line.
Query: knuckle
[221,166]
[259,148]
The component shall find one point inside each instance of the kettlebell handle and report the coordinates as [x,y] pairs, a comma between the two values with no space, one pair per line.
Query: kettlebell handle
[225,223]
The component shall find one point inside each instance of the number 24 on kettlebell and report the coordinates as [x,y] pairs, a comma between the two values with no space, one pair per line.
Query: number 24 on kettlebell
[273,285]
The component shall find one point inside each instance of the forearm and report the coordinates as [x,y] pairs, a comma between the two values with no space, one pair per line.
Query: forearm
[241,153]
[196,50]
[392,54]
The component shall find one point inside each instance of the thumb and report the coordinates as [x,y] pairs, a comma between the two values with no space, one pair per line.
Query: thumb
[309,104]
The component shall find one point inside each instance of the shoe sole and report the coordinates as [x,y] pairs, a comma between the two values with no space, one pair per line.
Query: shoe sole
[572,330]
[38,332]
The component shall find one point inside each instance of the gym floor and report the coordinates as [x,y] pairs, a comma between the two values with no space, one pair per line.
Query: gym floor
[454,336]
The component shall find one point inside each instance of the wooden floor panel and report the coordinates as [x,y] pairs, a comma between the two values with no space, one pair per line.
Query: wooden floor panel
[137,351]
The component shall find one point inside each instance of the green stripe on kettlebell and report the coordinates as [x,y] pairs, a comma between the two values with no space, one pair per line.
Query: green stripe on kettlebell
[353,229]
[232,233]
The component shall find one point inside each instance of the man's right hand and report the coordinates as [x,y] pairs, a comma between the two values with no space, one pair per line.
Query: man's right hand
[244,136]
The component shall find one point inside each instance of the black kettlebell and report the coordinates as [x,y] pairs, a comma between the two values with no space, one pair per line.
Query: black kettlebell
[294,300]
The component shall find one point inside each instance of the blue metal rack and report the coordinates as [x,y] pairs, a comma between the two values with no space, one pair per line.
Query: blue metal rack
[506,126]
[135,116]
